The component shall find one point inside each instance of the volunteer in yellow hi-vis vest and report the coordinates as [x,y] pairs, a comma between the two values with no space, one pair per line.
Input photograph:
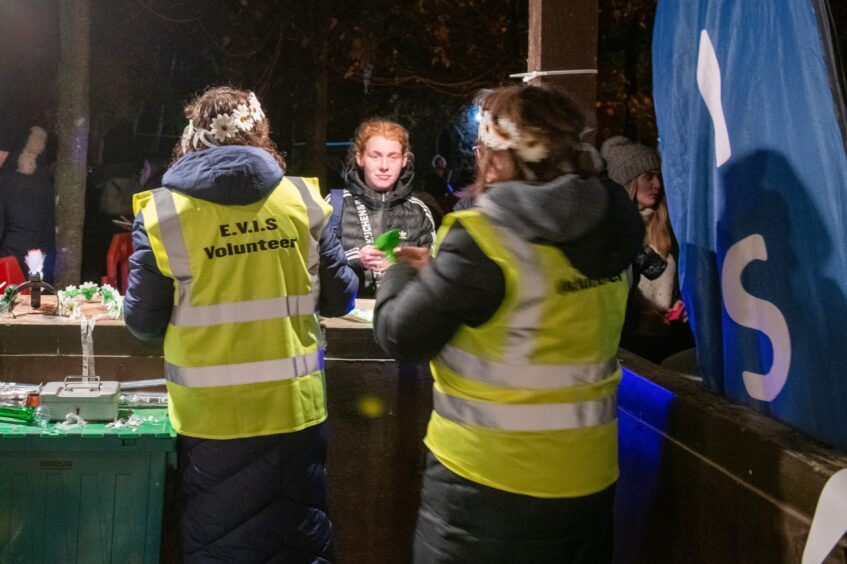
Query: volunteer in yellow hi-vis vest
[549,429]
[520,313]
[232,264]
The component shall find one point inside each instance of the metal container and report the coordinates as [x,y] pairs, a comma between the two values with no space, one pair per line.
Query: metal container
[90,398]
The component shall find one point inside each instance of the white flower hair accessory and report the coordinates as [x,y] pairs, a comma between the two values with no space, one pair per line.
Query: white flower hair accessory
[243,118]
[489,135]
[256,108]
[501,134]
[223,127]
[187,136]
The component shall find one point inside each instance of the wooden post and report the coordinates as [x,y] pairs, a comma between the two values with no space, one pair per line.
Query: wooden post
[72,125]
[563,36]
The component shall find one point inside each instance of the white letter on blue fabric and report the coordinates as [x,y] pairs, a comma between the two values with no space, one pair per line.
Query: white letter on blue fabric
[709,83]
[750,311]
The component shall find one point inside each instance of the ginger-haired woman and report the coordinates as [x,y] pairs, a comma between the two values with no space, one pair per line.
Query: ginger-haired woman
[378,197]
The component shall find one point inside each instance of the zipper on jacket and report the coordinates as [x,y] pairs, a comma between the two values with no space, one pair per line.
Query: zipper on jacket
[380,225]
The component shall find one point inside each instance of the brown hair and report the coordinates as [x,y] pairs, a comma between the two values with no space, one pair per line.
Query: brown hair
[223,100]
[373,127]
[658,227]
[549,116]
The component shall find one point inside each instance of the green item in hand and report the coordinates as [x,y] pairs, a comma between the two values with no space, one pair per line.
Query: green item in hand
[387,242]
[12,414]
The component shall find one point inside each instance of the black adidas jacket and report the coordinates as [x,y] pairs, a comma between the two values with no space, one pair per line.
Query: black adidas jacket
[362,206]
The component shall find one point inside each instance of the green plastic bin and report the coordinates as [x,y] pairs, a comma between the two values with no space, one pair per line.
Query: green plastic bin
[85,495]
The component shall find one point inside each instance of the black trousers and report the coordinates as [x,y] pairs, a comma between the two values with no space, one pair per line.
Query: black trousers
[260,499]
[464,522]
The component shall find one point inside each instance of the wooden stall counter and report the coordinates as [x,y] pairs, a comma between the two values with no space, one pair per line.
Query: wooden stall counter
[39,346]
[702,480]
[378,409]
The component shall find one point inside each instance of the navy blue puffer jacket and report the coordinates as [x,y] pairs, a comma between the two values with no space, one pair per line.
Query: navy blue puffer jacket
[230,175]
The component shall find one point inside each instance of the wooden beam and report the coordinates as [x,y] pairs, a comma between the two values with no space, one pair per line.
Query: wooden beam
[563,36]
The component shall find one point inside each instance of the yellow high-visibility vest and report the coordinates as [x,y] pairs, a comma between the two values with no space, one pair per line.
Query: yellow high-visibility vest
[244,353]
[526,402]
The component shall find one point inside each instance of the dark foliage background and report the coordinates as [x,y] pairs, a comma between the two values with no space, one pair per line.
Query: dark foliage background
[320,67]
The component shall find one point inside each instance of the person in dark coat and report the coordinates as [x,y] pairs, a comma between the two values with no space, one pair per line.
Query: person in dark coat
[245,373]
[520,313]
[378,197]
[28,204]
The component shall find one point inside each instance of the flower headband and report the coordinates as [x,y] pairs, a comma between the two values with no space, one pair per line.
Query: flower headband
[243,118]
[502,133]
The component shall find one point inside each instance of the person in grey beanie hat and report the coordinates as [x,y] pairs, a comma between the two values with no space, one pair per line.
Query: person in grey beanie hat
[626,160]
[656,324]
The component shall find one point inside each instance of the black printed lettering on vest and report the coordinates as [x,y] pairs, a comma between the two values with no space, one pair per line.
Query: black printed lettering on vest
[230,249]
[568,286]
[251,226]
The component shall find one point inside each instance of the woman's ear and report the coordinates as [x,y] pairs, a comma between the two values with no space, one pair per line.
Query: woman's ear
[500,167]
[359,160]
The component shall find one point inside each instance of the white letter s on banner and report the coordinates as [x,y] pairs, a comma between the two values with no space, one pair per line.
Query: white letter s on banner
[754,313]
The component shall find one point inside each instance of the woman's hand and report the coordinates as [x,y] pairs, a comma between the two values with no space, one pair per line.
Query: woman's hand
[417,257]
[654,318]
[373,259]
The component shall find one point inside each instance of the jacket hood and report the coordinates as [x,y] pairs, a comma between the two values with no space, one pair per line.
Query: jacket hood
[402,190]
[229,175]
[559,211]
[590,220]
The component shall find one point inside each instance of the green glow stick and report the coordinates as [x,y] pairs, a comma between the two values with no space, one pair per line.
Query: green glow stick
[387,242]
[14,414]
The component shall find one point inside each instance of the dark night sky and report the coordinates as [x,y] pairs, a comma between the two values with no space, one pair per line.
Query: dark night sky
[150,56]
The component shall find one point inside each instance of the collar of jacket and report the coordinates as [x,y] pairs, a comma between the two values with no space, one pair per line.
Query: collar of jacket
[560,211]
[228,175]
[592,222]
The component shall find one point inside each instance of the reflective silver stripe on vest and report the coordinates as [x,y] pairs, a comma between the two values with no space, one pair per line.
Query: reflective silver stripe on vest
[525,417]
[245,373]
[186,315]
[243,312]
[317,221]
[174,243]
[531,292]
[525,376]
[172,237]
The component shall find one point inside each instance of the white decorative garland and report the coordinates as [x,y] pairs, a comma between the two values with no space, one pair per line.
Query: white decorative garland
[243,118]
[502,133]
[72,297]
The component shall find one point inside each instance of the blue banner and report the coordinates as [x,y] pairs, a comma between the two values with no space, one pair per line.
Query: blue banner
[748,103]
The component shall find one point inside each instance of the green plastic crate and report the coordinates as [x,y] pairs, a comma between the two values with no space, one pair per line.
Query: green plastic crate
[87,495]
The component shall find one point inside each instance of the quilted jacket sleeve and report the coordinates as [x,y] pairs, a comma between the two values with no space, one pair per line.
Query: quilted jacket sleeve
[149,295]
[339,283]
